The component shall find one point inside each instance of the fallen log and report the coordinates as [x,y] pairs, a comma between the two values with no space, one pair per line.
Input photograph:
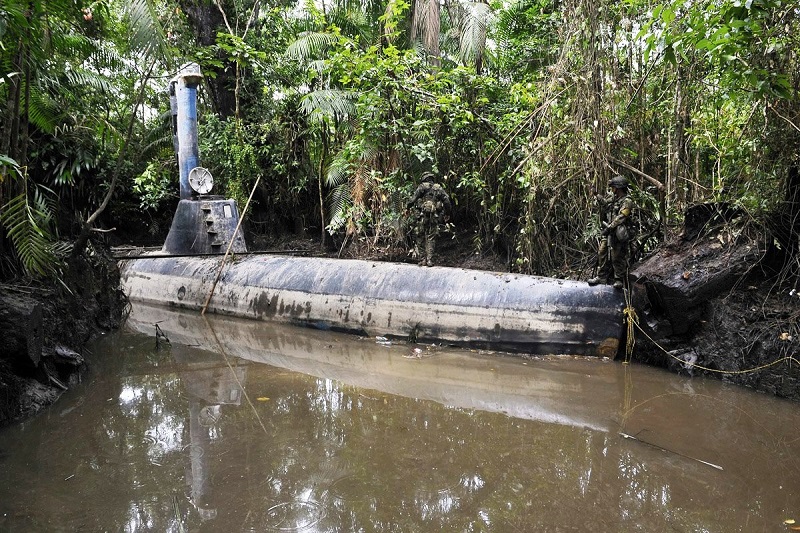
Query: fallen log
[711,257]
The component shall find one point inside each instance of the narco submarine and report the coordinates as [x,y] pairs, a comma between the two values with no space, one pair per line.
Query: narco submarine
[502,311]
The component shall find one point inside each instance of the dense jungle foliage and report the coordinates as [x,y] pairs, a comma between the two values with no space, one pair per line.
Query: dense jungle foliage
[332,110]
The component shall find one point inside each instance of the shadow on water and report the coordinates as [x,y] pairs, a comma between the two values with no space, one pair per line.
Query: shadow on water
[247,426]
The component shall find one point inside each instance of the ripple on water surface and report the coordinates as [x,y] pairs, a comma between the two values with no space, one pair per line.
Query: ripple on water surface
[331,433]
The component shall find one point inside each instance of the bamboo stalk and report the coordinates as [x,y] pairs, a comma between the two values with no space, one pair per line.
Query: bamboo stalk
[656,446]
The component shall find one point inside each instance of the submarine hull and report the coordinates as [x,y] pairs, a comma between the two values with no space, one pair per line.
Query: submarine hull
[508,312]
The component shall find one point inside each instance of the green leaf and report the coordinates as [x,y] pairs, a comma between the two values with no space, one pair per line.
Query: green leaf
[704,44]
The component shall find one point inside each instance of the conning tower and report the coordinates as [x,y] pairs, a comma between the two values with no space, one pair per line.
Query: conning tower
[203,223]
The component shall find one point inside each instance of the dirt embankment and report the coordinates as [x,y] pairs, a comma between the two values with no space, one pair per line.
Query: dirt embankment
[44,327]
[721,300]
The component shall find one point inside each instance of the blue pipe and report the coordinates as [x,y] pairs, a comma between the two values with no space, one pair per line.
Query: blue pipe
[186,83]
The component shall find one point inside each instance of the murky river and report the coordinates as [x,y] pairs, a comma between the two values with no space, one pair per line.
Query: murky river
[245,426]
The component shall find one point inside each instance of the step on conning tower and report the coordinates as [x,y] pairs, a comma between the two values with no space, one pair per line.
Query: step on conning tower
[203,223]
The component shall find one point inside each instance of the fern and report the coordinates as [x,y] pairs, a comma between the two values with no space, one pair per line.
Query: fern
[43,111]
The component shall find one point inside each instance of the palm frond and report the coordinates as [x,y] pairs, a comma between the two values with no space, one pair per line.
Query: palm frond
[147,33]
[318,65]
[27,218]
[329,103]
[43,111]
[353,176]
[12,12]
[353,21]
[310,45]
[62,249]
[45,205]
[87,79]
[338,173]
[9,168]
[426,25]
[106,56]
[473,27]
[339,204]
[369,153]
[74,45]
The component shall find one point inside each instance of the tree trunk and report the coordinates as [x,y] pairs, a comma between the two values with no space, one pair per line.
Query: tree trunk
[206,20]
[20,331]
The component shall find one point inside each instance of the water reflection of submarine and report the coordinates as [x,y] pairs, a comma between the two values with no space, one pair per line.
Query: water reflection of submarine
[454,377]
[209,386]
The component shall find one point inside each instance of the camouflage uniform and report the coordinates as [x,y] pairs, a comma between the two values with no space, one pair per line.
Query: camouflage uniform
[617,233]
[429,206]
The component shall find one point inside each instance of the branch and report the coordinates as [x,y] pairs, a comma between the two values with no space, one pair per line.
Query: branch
[792,124]
[253,17]
[224,17]
[648,177]
[83,238]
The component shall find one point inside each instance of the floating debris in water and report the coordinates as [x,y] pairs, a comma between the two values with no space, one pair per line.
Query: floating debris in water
[383,341]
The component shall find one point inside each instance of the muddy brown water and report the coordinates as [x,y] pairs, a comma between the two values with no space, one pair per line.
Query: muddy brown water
[245,426]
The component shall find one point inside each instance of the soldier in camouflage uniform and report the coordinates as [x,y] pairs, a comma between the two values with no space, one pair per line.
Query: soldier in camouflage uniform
[617,232]
[430,208]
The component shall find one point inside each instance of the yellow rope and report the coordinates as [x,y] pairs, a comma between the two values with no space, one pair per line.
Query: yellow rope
[632,320]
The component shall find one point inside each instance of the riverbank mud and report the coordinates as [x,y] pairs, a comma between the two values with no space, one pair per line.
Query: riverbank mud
[721,300]
[45,326]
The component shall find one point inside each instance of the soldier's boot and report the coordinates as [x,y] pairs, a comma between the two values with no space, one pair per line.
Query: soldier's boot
[620,272]
[604,274]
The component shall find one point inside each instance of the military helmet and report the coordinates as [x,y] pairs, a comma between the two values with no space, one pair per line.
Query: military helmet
[618,182]
[427,176]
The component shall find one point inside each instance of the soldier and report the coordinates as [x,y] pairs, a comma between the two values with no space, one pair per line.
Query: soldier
[616,209]
[430,208]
